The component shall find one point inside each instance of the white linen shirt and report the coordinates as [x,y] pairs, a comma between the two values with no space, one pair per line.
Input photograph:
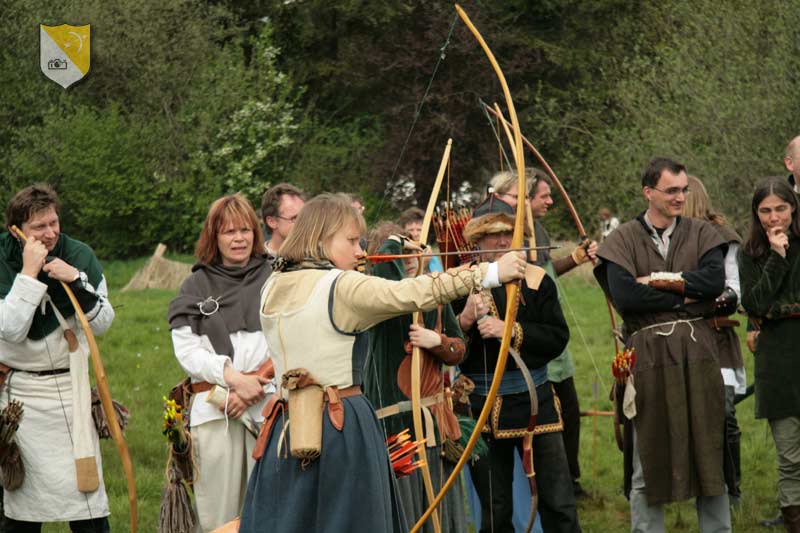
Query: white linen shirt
[17,310]
[49,492]
[198,359]
[734,377]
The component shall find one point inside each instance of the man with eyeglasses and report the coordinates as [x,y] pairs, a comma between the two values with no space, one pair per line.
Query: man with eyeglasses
[280,206]
[792,162]
[663,273]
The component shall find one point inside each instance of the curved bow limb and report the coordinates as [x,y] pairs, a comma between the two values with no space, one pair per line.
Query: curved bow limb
[416,354]
[512,289]
[583,237]
[532,255]
[101,381]
[570,206]
[108,407]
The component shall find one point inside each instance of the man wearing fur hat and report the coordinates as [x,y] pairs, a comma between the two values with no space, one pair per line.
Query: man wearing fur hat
[540,334]
[560,371]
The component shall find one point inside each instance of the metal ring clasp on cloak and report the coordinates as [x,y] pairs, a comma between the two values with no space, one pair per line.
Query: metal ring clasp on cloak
[210,300]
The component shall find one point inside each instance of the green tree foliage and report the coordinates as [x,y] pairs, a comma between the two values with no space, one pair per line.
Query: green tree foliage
[97,158]
[719,92]
[377,60]
[330,156]
[600,87]
[180,106]
[198,99]
[249,149]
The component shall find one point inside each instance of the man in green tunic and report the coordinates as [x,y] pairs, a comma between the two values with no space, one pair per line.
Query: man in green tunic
[663,273]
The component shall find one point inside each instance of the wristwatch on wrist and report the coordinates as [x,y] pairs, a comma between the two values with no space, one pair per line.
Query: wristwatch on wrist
[81,281]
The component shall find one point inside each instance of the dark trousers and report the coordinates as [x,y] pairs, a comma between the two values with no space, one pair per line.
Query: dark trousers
[96,525]
[733,471]
[571,415]
[493,476]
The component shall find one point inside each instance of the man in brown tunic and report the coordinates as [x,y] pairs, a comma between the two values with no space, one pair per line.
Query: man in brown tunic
[663,273]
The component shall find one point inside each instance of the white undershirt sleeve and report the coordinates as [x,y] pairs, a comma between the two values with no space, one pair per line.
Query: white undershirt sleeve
[18,307]
[732,270]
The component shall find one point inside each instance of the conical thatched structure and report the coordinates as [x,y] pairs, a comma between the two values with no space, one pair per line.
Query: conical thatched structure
[159,273]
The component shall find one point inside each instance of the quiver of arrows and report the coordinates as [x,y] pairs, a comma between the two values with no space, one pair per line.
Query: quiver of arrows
[11,466]
[401,454]
[449,230]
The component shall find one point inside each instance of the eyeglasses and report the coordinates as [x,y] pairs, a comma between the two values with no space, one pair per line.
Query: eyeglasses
[673,191]
[290,220]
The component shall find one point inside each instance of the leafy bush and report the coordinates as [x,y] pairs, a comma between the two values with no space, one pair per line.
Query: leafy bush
[112,198]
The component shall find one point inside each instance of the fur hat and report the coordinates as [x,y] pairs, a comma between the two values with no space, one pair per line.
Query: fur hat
[492,216]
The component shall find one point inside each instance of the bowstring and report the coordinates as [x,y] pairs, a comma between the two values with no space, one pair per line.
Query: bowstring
[483,105]
[561,291]
[417,114]
[378,211]
[562,294]
[484,297]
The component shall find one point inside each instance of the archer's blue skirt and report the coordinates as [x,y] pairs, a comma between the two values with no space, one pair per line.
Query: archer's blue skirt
[350,487]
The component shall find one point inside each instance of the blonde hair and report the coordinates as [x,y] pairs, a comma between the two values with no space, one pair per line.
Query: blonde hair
[502,182]
[317,223]
[698,204]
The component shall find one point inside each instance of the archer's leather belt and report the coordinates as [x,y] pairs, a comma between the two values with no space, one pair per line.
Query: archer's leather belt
[333,397]
[6,370]
[277,405]
[405,405]
[53,372]
[721,322]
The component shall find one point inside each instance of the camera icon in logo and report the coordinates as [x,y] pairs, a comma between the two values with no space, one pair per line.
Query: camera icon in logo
[57,64]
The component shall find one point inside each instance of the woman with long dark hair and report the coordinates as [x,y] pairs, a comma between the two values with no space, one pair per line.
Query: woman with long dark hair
[769,266]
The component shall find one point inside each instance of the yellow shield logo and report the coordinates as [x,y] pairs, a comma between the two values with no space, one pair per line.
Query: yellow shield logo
[64,55]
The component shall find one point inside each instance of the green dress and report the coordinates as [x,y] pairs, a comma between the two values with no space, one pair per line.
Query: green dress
[771,294]
[386,353]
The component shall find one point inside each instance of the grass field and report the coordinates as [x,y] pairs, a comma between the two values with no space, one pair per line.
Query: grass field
[141,368]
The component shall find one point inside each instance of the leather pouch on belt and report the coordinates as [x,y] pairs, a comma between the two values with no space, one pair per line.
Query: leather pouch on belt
[266,370]
[306,399]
